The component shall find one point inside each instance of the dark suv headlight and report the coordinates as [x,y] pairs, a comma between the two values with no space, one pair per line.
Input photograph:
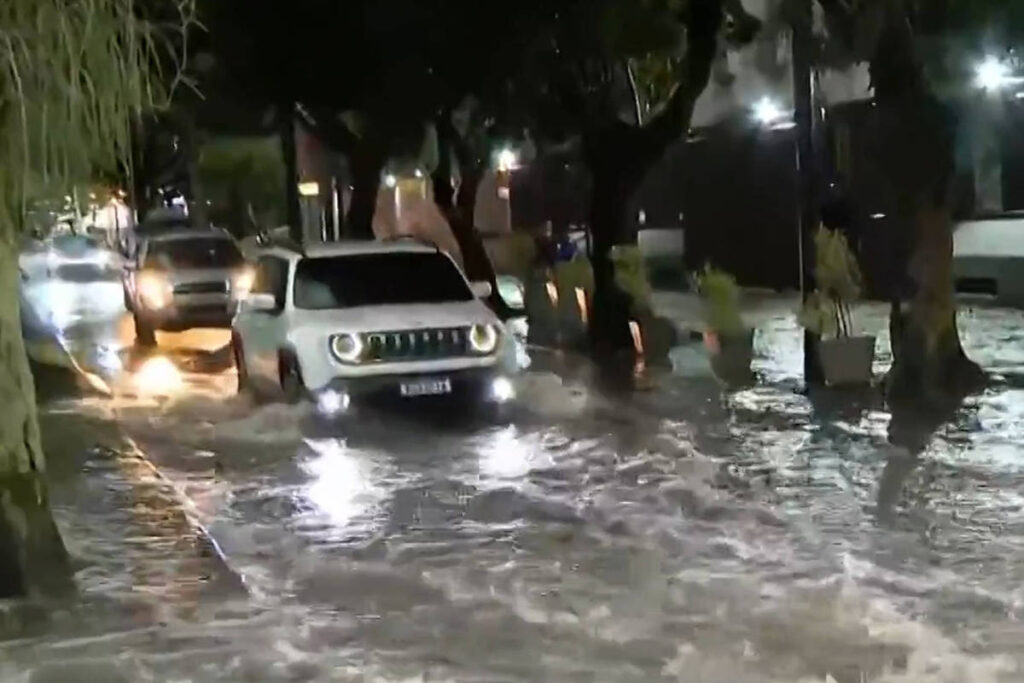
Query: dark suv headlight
[348,348]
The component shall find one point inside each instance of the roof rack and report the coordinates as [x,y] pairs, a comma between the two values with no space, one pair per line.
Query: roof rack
[265,239]
[411,238]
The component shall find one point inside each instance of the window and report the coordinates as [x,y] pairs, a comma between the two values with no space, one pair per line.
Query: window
[272,278]
[193,252]
[378,279]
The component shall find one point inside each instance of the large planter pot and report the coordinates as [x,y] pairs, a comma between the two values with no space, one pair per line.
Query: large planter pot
[731,356]
[847,361]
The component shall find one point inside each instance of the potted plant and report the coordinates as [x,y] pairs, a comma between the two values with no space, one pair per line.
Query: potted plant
[730,342]
[846,359]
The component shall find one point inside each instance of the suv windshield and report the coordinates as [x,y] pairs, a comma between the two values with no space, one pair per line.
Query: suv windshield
[75,244]
[198,252]
[378,279]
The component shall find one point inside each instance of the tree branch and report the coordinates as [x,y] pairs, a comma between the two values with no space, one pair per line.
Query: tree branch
[337,135]
[703,22]
[634,91]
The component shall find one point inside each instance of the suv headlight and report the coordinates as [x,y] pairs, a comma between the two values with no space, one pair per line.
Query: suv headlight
[242,282]
[155,290]
[348,348]
[483,339]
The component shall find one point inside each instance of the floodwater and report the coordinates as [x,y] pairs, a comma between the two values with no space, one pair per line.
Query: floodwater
[675,533]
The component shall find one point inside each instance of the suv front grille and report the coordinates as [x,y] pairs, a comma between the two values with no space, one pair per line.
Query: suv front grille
[218,287]
[413,345]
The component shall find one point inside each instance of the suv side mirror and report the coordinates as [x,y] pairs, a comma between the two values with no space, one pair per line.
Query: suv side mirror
[262,303]
[481,289]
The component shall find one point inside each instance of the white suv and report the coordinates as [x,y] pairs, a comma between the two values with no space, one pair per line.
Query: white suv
[344,321]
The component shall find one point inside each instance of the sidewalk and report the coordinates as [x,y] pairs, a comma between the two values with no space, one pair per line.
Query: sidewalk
[683,309]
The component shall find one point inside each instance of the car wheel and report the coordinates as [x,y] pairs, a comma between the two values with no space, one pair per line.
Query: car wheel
[292,385]
[244,386]
[145,335]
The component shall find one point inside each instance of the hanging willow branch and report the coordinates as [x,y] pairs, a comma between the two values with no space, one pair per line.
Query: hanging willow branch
[74,75]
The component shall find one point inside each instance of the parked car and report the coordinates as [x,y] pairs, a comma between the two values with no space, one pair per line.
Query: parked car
[349,322]
[988,259]
[80,257]
[184,278]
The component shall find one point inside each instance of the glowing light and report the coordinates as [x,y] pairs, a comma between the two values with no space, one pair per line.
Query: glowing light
[992,74]
[309,189]
[638,337]
[348,348]
[391,181]
[419,173]
[502,390]
[767,111]
[154,290]
[343,484]
[581,302]
[330,402]
[483,339]
[158,376]
[243,282]
[552,293]
[506,457]
[507,160]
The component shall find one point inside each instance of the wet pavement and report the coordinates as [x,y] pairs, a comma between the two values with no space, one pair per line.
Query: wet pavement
[673,533]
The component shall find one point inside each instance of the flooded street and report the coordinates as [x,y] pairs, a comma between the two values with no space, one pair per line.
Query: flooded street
[676,533]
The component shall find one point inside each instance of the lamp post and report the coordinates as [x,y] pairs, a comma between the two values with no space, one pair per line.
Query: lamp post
[995,77]
[803,116]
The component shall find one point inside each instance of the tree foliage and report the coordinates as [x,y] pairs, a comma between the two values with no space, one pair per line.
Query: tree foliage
[73,78]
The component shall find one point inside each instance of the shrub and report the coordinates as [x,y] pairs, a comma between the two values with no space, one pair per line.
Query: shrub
[720,301]
[838,276]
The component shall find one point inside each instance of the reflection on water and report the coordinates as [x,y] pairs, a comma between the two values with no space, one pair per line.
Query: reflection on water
[508,456]
[343,482]
[676,534]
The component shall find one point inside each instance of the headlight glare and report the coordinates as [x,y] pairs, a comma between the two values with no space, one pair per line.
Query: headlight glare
[243,282]
[154,290]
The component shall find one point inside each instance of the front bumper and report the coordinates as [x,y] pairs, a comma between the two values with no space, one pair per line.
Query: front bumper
[185,316]
[469,384]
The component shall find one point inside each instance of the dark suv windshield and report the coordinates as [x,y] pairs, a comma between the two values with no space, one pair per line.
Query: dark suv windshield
[198,252]
[378,279]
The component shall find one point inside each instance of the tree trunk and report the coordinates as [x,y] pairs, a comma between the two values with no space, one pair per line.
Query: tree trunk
[609,226]
[32,556]
[459,210]
[366,163]
[293,210]
[197,197]
[929,361]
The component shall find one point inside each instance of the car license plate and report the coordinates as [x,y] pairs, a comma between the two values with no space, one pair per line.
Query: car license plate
[432,387]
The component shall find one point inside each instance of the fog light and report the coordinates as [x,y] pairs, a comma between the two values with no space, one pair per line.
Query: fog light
[502,390]
[331,402]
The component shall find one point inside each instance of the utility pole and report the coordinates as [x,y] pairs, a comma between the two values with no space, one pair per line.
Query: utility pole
[805,116]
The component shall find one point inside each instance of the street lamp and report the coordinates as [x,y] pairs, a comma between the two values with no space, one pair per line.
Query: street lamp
[767,112]
[507,160]
[993,74]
